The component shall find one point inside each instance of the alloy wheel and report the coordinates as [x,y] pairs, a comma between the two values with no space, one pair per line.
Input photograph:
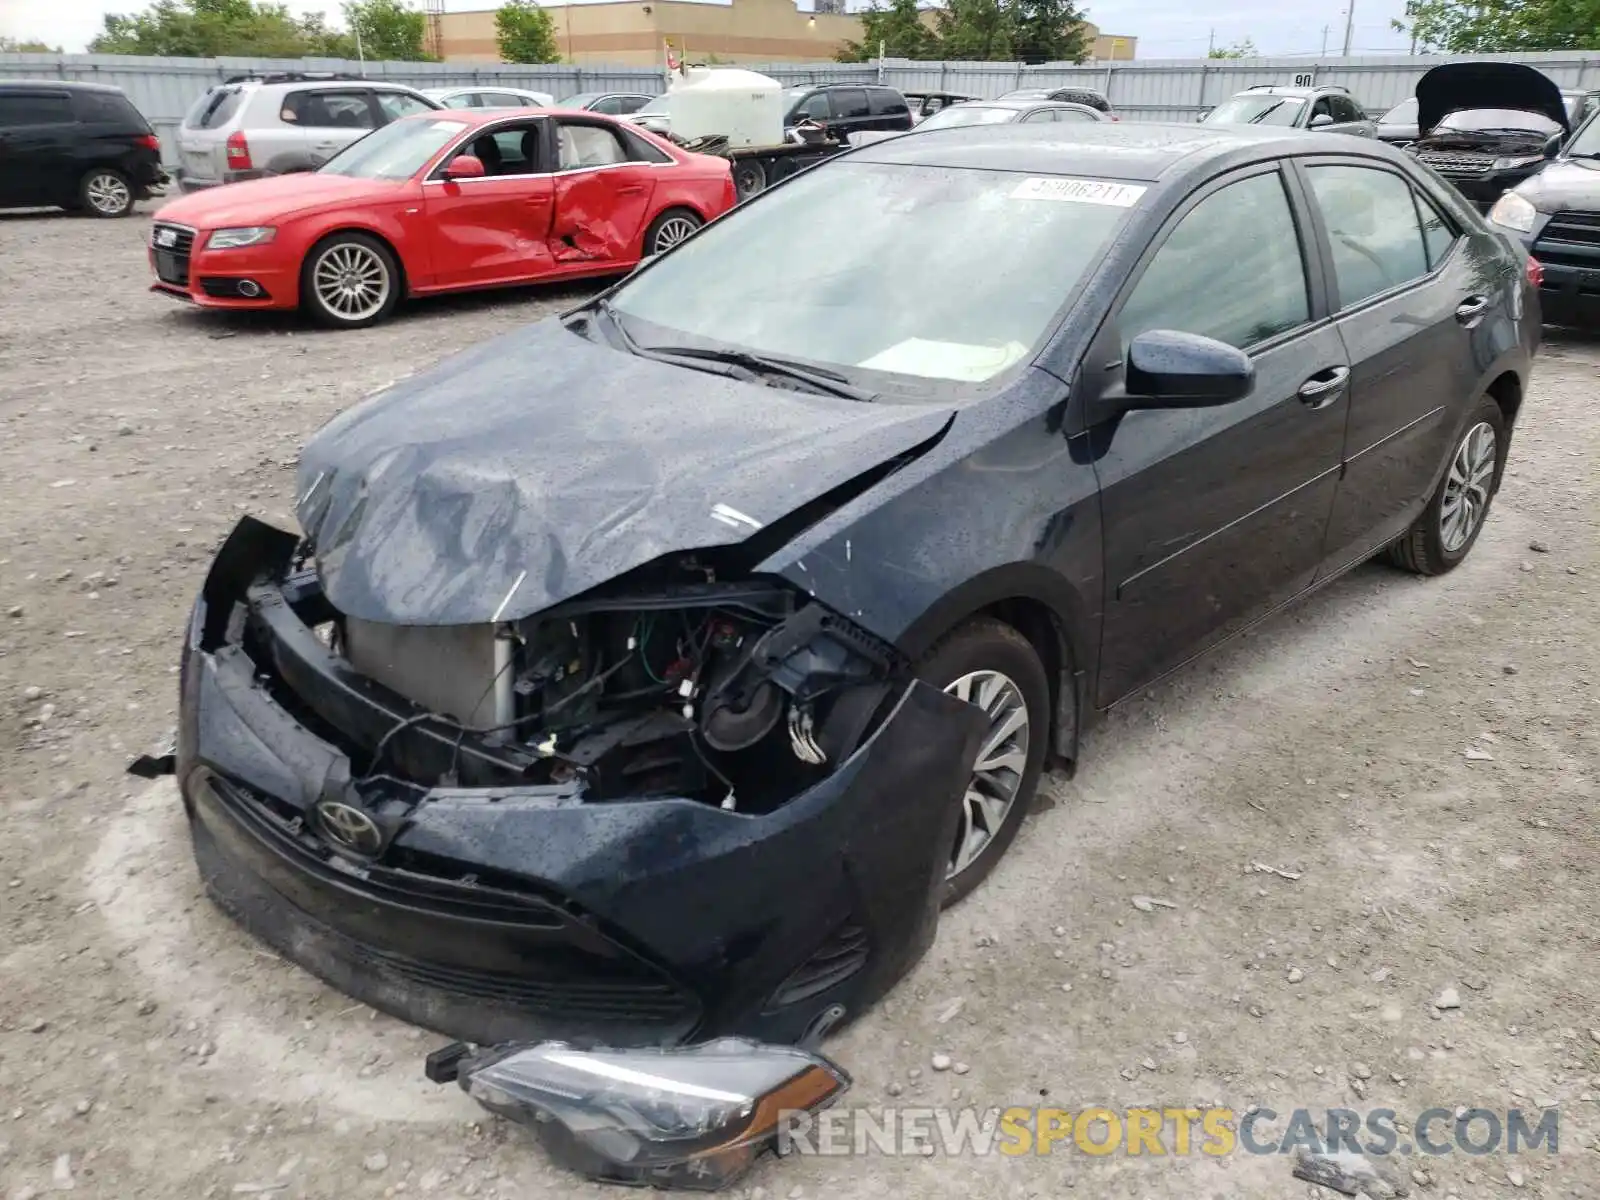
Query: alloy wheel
[352,281]
[672,231]
[997,774]
[1466,488]
[108,194]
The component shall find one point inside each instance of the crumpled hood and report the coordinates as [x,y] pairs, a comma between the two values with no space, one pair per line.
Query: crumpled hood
[1566,185]
[1456,86]
[539,464]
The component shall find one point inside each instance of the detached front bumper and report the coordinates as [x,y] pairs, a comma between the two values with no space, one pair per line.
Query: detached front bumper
[498,914]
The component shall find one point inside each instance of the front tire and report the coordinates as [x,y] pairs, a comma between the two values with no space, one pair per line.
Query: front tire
[349,280]
[105,192]
[990,664]
[1445,533]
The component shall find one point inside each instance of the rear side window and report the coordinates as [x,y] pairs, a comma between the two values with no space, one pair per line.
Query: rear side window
[1072,114]
[108,108]
[632,104]
[1232,269]
[35,108]
[465,100]
[501,100]
[214,109]
[640,149]
[1373,230]
[886,103]
[327,110]
[850,103]
[587,146]
[610,105]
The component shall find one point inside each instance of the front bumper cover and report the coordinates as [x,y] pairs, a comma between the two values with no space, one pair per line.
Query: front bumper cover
[499,914]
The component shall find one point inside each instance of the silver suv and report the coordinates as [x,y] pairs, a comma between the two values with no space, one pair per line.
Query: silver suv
[1327,109]
[257,125]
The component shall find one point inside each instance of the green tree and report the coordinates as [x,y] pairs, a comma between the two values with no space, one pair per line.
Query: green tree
[207,28]
[975,31]
[388,30]
[525,33]
[1240,49]
[1501,26]
[1047,31]
[14,46]
[898,28]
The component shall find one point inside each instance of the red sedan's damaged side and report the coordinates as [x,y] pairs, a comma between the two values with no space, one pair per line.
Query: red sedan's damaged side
[539,195]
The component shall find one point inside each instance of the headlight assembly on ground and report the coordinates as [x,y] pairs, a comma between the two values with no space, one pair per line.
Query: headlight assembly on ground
[695,1117]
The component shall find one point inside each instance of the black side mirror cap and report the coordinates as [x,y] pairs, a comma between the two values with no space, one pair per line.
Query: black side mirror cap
[1167,368]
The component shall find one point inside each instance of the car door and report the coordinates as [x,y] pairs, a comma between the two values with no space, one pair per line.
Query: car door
[37,131]
[602,194]
[494,229]
[1212,516]
[332,118]
[1407,303]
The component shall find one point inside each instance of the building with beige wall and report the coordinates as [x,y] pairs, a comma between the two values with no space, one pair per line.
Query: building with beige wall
[633,33]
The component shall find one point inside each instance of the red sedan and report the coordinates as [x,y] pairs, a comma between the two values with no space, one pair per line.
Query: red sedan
[439,202]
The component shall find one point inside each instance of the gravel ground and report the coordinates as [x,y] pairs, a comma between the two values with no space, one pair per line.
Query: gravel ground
[1417,758]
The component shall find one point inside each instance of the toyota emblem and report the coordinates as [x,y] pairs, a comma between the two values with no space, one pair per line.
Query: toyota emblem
[349,828]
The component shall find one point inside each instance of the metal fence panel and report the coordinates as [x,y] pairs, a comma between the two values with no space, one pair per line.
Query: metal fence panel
[1152,90]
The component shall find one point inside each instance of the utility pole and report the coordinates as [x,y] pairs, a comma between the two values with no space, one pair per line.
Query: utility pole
[1349,26]
[1211,42]
[1324,53]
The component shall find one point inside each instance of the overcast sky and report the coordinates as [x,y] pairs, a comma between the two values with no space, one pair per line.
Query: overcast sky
[1165,28]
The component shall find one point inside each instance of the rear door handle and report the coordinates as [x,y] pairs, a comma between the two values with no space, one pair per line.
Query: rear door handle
[1323,388]
[1470,309]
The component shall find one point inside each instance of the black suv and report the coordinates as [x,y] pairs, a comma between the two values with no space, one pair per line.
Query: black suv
[847,107]
[82,146]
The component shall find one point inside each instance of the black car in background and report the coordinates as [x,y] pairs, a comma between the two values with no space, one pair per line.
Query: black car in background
[1487,126]
[694,732]
[1556,214]
[79,146]
[847,107]
[1398,126]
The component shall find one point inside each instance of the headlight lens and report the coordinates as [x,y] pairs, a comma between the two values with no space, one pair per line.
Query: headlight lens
[247,235]
[1506,164]
[695,1117]
[1514,212]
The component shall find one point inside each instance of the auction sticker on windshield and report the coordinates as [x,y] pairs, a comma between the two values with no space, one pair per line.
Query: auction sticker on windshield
[1079,191]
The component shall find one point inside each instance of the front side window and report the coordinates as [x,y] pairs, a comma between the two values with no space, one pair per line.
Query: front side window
[631,104]
[867,290]
[35,108]
[1232,269]
[611,106]
[1041,116]
[1373,229]
[1258,110]
[396,151]
[397,104]
[816,107]
[461,100]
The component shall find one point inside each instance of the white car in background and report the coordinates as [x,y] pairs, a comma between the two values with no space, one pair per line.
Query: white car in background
[489,97]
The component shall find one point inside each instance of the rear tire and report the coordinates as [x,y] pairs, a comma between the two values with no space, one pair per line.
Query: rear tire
[349,280]
[670,228]
[105,192]
[1448,528]
[990,661]
[749,178]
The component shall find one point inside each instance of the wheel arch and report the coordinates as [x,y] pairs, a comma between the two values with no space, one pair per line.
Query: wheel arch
[1045,609]
[1506,391]
[337,227]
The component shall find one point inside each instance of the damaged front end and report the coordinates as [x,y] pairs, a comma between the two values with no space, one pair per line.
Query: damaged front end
[676,806]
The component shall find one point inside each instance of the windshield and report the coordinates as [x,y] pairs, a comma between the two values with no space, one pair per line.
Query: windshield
[1586,142]
[1404,113]
[1483,120]
[397,151]
[872,285]
[971,114]
[1257,110]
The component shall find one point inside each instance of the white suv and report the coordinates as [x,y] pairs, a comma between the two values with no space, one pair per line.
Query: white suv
[258,125]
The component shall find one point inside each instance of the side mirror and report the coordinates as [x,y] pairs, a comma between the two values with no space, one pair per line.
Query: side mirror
[1321,121]
[1169,369]
[465,166]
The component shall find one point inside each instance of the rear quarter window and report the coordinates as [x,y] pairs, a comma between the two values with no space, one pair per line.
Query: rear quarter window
[109,108]
[887,103]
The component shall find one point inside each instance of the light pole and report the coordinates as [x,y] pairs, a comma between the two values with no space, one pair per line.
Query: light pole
[1349,26]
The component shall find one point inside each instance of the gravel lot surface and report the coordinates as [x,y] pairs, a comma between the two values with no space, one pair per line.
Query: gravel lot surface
[1416,760]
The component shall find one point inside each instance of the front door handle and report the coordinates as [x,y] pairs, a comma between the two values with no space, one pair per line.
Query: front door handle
[1323,388]
[631,190]
[1470,309]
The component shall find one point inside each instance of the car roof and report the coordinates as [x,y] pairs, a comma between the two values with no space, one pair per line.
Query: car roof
[1022,102]
[70,85]
[1102,149]
[454,89]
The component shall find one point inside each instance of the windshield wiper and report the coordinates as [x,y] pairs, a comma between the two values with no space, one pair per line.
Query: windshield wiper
[1269,109]
[739,362]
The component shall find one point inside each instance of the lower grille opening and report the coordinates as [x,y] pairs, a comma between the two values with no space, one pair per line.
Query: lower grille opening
[838,958]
